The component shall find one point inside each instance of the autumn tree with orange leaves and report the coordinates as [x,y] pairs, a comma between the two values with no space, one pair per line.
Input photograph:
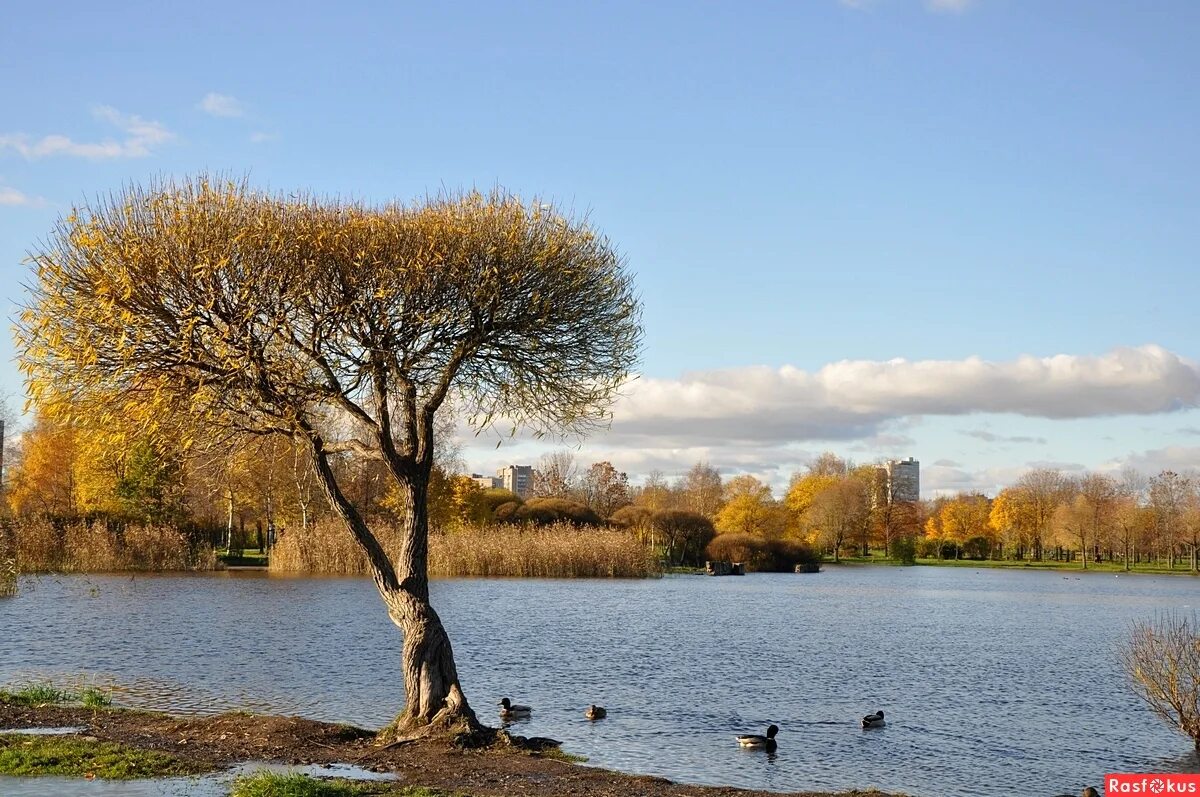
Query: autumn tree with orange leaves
[342,326]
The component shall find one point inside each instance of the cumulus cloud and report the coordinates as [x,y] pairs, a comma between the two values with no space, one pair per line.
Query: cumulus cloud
[851,400]
[141,137]
[215,104]
[1156,460]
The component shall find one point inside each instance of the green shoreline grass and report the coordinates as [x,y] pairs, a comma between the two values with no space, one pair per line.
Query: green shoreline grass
[1045,564]
[273,784]
[27,755]
[46,694]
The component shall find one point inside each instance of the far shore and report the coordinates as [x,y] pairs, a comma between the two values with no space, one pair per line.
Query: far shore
[505,767]
[1106,567]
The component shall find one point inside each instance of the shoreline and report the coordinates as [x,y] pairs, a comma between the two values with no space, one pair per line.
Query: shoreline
[221,741]
[1021,565]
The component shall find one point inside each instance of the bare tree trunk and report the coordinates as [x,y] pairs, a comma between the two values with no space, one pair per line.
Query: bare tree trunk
[432,692]
[433,697]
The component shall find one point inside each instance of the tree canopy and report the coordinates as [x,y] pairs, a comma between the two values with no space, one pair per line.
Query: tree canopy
[341,325]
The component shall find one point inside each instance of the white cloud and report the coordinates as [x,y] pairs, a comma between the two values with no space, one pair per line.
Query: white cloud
[259,137]
[215,104]
[851,400]
[14,198]
[141,137]
[949,6]
[992,437]
[1177,458]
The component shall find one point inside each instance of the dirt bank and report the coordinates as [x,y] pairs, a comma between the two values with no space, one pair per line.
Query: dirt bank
[500,770]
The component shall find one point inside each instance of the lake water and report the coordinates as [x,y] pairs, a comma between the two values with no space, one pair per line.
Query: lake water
[993,681]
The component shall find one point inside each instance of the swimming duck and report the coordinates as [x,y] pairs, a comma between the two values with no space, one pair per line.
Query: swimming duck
[874,720]
[595,712]
[755,742]
[509,710]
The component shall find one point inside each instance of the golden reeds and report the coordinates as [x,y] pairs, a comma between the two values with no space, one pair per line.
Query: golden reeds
[93,547]
[557,551]
[8,562]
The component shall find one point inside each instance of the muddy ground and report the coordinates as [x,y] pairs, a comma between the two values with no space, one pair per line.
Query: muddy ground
[499,770]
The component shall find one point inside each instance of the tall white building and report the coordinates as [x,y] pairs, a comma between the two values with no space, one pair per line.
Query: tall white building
[516,478]
[902,480]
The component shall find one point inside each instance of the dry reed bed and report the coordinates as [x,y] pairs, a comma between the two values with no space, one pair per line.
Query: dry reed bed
[556,551]
[8,563]
[82,547]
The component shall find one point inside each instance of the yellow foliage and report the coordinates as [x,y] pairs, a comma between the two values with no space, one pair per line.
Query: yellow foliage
[749,508]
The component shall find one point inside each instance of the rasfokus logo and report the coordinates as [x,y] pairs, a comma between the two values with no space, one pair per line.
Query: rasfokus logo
[1151,783]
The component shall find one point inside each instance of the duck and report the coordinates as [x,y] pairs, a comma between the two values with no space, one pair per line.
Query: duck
[755,742]
[510,710]
[595,712]
[873,720]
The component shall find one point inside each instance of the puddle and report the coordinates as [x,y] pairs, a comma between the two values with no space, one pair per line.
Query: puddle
[214,785]
[64,731]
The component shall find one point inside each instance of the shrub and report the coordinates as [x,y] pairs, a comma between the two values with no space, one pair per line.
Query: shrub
[977,548]
[1162,659]
[548,511]
[489,500]
[936,549]
[760,553]
[904,550]
[631,517]
[506,512]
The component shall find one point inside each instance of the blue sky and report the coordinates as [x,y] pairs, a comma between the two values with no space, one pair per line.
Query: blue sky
[795,185]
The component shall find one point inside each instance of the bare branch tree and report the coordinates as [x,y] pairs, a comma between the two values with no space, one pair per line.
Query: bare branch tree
[1162,658]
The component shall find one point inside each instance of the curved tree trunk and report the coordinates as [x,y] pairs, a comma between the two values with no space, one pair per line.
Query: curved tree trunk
[432,693]
[434,700]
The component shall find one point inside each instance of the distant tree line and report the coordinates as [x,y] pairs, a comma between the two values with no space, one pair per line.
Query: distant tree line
[242,492]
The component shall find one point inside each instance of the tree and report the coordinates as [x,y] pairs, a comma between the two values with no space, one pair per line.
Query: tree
[837,511]
[700,488]
[748,508]
[1170,495]
[655,494]
[42,479]
[964,517]
[556,475]
[684,534]
[604,488]
[344,327]
[1162,658]
[1073,521]
[1100,494]
[1027,508]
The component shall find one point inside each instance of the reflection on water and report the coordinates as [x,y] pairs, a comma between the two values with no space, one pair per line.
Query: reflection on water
[1003,678]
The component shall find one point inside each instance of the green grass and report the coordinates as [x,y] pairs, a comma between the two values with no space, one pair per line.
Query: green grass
[250,557]
[91,697]
[37,695]
[24,755]
[560,755]
[47,694]
[273,784]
